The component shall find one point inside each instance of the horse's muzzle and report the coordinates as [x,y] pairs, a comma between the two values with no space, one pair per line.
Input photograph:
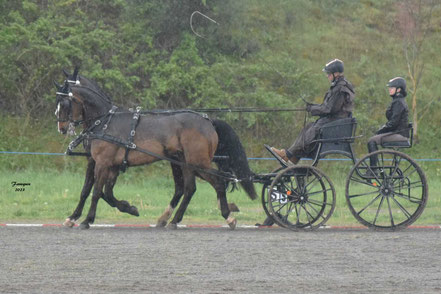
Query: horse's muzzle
[62,128]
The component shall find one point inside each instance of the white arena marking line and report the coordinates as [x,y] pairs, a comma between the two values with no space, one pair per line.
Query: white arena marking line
[201,226]
[24,225]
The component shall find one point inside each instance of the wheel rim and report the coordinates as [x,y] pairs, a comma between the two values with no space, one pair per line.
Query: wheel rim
[391,196]
[301,197]
[265,192]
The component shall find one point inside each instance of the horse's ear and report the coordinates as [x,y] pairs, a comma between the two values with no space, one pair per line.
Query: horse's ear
[75,74]
[66,73]
[57,85]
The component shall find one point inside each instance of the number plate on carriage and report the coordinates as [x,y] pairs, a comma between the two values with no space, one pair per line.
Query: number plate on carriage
[279,197]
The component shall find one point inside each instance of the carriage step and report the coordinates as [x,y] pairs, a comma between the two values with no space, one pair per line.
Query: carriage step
[276,156]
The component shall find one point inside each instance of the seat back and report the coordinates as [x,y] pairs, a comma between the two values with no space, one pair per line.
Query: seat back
[336,137]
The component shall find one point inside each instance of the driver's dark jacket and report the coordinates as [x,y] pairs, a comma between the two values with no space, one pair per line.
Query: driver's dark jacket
[397,116]
[338,102]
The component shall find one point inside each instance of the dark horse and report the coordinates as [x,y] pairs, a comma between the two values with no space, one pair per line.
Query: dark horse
[188,139]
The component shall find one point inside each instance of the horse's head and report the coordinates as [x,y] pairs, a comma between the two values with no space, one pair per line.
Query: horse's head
[69,111]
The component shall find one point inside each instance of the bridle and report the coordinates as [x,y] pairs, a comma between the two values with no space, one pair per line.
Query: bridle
[70,118]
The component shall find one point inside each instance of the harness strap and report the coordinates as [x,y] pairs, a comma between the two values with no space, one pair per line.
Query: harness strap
[84,134]
[130,144]
[111,113]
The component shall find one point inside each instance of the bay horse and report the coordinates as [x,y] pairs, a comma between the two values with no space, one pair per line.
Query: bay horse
[186,137]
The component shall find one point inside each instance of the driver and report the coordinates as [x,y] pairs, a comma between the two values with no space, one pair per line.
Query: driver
[338,103]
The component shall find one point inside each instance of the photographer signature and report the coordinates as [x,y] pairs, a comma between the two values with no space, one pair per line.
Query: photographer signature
[19,187]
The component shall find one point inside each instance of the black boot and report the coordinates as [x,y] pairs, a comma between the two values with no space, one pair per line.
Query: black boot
[372,147]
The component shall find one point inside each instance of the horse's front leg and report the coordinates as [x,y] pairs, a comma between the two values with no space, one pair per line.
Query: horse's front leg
[108,196]
[88,183]
[101,176]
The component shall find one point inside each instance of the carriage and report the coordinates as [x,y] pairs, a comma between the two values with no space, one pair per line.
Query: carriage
[390,196]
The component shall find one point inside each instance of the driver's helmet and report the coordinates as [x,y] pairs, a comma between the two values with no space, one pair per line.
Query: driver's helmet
[334,66]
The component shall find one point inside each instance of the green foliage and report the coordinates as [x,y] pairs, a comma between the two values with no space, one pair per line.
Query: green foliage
[262,54]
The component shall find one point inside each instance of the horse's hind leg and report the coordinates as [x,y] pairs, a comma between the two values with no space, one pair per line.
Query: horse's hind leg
[179,191]
[108,196]
[189,189]
[88,183]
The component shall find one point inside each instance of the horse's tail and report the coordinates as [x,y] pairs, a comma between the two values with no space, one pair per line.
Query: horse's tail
[236,162]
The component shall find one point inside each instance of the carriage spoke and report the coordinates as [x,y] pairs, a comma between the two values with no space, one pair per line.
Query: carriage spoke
[364,194]
[316,178]
[308,214]
[378,210]
[364,182]
[390,213]
[408,175]
[315,210]
[280,206]
[290,209]
[319,192]
[395,163]
[297,215]
[413,199]
[369,204]
[406,213]
[317,203]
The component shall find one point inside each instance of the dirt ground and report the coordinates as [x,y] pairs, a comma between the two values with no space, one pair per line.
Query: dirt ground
[218,260]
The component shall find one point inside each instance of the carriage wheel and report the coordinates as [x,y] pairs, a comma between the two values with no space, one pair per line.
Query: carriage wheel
[391,196]
[265,193]
[301,197]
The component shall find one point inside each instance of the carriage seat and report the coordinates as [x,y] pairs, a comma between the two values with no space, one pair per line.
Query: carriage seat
[398,144]
[401,144]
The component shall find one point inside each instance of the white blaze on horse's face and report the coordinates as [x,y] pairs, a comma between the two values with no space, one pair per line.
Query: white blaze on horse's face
[57,112]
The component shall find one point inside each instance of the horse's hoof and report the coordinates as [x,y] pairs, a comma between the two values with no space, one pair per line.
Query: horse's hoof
[134,211]
[172,226]
[233,207]
[232,222]
[161,224]
[84,226]
[68,223]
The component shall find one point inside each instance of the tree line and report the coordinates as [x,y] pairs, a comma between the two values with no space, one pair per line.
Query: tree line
[260,54]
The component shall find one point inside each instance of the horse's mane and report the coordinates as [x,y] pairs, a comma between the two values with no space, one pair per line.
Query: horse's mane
[92,95]
[98,89]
